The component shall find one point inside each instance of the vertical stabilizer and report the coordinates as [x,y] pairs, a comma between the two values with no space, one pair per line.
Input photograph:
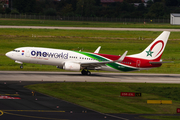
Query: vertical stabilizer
[155,49]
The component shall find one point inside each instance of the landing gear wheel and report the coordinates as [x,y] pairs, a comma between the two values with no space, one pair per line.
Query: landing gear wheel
[21,66]
[88,72]
[85,72]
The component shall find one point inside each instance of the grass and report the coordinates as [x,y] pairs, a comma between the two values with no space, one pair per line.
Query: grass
[105,97]
[112,42]
[61,23]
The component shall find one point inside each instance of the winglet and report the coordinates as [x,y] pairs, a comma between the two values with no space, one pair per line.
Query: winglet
[122,57]
[97,50]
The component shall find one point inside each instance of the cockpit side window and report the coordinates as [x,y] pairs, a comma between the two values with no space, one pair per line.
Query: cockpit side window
[16,50]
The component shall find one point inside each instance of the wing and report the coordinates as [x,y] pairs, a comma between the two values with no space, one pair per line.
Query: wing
[98,64]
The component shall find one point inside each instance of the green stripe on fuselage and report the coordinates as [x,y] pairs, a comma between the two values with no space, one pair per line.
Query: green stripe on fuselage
[93,56]
[112,65]
[121,67]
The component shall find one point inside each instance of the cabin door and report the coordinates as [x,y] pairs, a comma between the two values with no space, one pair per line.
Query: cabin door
[138,63]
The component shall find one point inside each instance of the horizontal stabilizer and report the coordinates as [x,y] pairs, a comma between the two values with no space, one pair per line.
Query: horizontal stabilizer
[160,62]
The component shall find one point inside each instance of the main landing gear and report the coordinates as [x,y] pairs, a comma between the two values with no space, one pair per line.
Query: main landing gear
[85,72]
[21,66]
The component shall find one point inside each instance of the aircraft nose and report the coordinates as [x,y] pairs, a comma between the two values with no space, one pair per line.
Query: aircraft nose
[8,54]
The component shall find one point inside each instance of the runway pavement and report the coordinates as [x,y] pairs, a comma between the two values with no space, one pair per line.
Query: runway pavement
[90,28]
[95,77]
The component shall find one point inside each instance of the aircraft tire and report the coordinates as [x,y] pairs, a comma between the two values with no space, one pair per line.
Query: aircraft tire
[88,72]
[84,72]
[21,66]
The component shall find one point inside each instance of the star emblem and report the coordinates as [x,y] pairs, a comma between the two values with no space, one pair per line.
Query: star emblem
[149,53]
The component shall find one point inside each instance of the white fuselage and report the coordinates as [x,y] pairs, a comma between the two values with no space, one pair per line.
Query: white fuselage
[48,56]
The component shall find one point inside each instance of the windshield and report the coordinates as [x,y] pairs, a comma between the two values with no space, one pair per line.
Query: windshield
[16,50]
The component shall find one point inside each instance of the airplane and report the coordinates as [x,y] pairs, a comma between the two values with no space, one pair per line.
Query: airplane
[85,61]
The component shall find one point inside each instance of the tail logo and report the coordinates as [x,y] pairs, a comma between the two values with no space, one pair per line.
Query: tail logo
[149,53]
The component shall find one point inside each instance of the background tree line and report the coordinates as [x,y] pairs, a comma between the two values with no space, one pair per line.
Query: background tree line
[94,8]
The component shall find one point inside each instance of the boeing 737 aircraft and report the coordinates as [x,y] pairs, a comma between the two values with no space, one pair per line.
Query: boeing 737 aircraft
[85,61]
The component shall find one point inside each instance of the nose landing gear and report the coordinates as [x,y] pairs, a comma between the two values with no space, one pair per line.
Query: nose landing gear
[21,66]
[19,62]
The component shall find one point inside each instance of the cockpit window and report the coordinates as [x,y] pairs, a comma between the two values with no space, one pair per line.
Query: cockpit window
[16,50]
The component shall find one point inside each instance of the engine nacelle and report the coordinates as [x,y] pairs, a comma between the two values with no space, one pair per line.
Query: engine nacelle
[71,66]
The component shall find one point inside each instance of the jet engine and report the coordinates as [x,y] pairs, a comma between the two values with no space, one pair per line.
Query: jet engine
[71,66]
